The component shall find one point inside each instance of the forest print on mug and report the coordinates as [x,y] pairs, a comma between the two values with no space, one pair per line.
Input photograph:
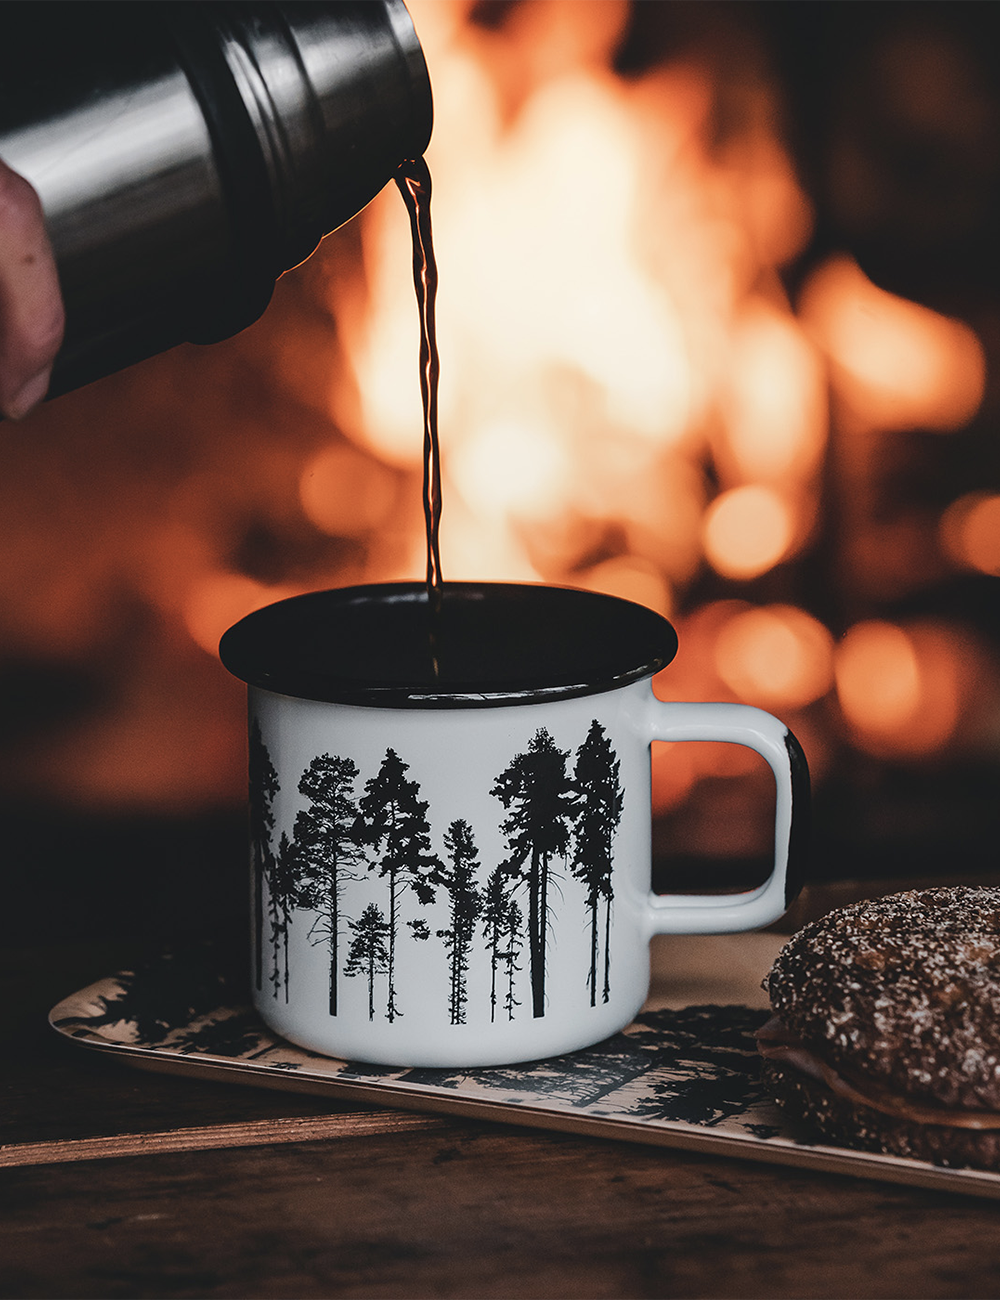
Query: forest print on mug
[366,868]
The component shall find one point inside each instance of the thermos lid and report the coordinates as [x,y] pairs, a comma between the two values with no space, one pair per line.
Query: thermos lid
[494,644]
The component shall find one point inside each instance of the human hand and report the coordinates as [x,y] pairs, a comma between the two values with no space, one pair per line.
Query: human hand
[31,308]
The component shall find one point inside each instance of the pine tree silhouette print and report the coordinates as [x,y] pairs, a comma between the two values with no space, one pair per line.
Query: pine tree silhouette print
[235,1035]
[459,882]
[327,851]
[511,952]
[600,799]
[368,954]
[538,793]
[280,898]
[393,823]
[161,994]
[496,906]
[263,788]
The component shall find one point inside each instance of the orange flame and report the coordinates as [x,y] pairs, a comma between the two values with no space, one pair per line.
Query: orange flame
[748,530]
[627,397]
[970,531]
[775,657]
[896,364]
[901,690]
[599,259]
[776,407]
[345,493]
[222,599]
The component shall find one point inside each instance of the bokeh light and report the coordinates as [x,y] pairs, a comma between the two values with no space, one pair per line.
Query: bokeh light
[897,364]
[776,657]
[970,532]
[346,493]
[747,531]
[900,689]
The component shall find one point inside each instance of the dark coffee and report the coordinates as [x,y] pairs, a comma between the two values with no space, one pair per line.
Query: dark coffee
[414,181]
[501,643]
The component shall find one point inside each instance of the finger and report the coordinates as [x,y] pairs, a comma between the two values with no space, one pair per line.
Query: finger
[31,309]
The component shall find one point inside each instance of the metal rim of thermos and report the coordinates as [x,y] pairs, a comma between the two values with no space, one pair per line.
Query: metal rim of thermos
[260,256]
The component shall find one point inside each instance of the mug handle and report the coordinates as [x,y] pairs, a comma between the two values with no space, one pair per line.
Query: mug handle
[739,724]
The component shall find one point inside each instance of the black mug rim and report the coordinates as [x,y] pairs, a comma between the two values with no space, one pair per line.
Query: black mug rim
[532,643]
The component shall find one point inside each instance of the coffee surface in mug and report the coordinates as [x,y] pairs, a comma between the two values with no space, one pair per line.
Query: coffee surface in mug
[499,643]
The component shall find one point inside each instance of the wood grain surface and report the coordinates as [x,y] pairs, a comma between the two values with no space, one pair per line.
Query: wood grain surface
[221,1191]
[207,1137]
[61,1103]
[473,1212]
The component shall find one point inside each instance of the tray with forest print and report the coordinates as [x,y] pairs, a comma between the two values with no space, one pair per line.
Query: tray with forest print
[685,1077]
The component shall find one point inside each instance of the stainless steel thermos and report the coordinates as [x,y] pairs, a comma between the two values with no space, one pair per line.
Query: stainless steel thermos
[187,154]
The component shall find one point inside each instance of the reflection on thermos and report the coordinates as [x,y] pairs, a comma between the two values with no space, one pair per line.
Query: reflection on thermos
[187,154]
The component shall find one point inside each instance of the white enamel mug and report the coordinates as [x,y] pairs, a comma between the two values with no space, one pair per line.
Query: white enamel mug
[451,834]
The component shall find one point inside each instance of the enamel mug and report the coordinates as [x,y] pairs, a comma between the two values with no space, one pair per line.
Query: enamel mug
[451,818]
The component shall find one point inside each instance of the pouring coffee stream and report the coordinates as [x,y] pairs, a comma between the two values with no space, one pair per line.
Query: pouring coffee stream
[414,181]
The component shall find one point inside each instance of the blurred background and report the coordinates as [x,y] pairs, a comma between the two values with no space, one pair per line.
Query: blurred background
[719,320]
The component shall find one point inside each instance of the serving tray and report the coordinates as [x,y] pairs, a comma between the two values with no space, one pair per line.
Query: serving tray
[684,1077]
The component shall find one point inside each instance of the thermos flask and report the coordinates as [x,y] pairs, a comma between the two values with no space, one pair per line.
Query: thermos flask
[188,154]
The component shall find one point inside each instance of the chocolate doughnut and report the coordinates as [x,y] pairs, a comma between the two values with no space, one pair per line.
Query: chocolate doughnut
[886,1027]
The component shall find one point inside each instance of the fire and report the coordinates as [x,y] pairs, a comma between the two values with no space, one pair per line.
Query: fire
[901,689]
[631,578]
[599,312]
[878,678]
[778,657]
[220,600]
[345,493]
[896,364]
[970,532]
[747,530]
[513,466]
[776,408]
[632,400]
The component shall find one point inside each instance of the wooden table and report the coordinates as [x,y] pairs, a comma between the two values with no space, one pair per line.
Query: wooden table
[116,1183]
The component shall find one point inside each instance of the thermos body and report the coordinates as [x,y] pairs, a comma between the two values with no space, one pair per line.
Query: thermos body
[187,154]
